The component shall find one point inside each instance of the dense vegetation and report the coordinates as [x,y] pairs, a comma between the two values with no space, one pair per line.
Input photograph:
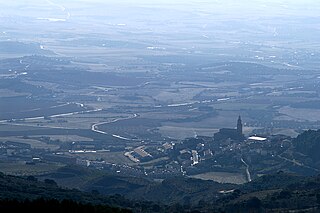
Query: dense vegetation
[18,193]
[280,192]
[53,205]
[308,143]
[28,192]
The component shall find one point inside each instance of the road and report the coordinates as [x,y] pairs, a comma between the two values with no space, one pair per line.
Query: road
[295,162]
[9,121]
[247,170]
[95,128]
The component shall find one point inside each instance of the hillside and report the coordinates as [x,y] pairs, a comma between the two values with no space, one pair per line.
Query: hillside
[278,192]
[30,193]
[187,191]
[308,143]
[53,205]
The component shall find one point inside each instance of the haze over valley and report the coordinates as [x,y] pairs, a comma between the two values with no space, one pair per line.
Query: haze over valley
[160,91]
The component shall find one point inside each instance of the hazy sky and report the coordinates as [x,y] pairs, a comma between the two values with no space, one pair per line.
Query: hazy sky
[281,23]
[228,7]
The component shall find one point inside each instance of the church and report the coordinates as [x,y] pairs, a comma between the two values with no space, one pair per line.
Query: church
[233,134]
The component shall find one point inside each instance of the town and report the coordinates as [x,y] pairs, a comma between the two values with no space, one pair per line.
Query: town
[228,156]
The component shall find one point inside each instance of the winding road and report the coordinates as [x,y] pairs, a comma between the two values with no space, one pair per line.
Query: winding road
[9,121]
[247,170]
[95,128]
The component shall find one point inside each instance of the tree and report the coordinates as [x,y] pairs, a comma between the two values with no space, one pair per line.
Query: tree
[50,181]
[254,203]
[318,199]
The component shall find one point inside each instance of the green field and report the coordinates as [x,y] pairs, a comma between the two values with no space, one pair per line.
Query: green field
[222,177]
[22,169]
